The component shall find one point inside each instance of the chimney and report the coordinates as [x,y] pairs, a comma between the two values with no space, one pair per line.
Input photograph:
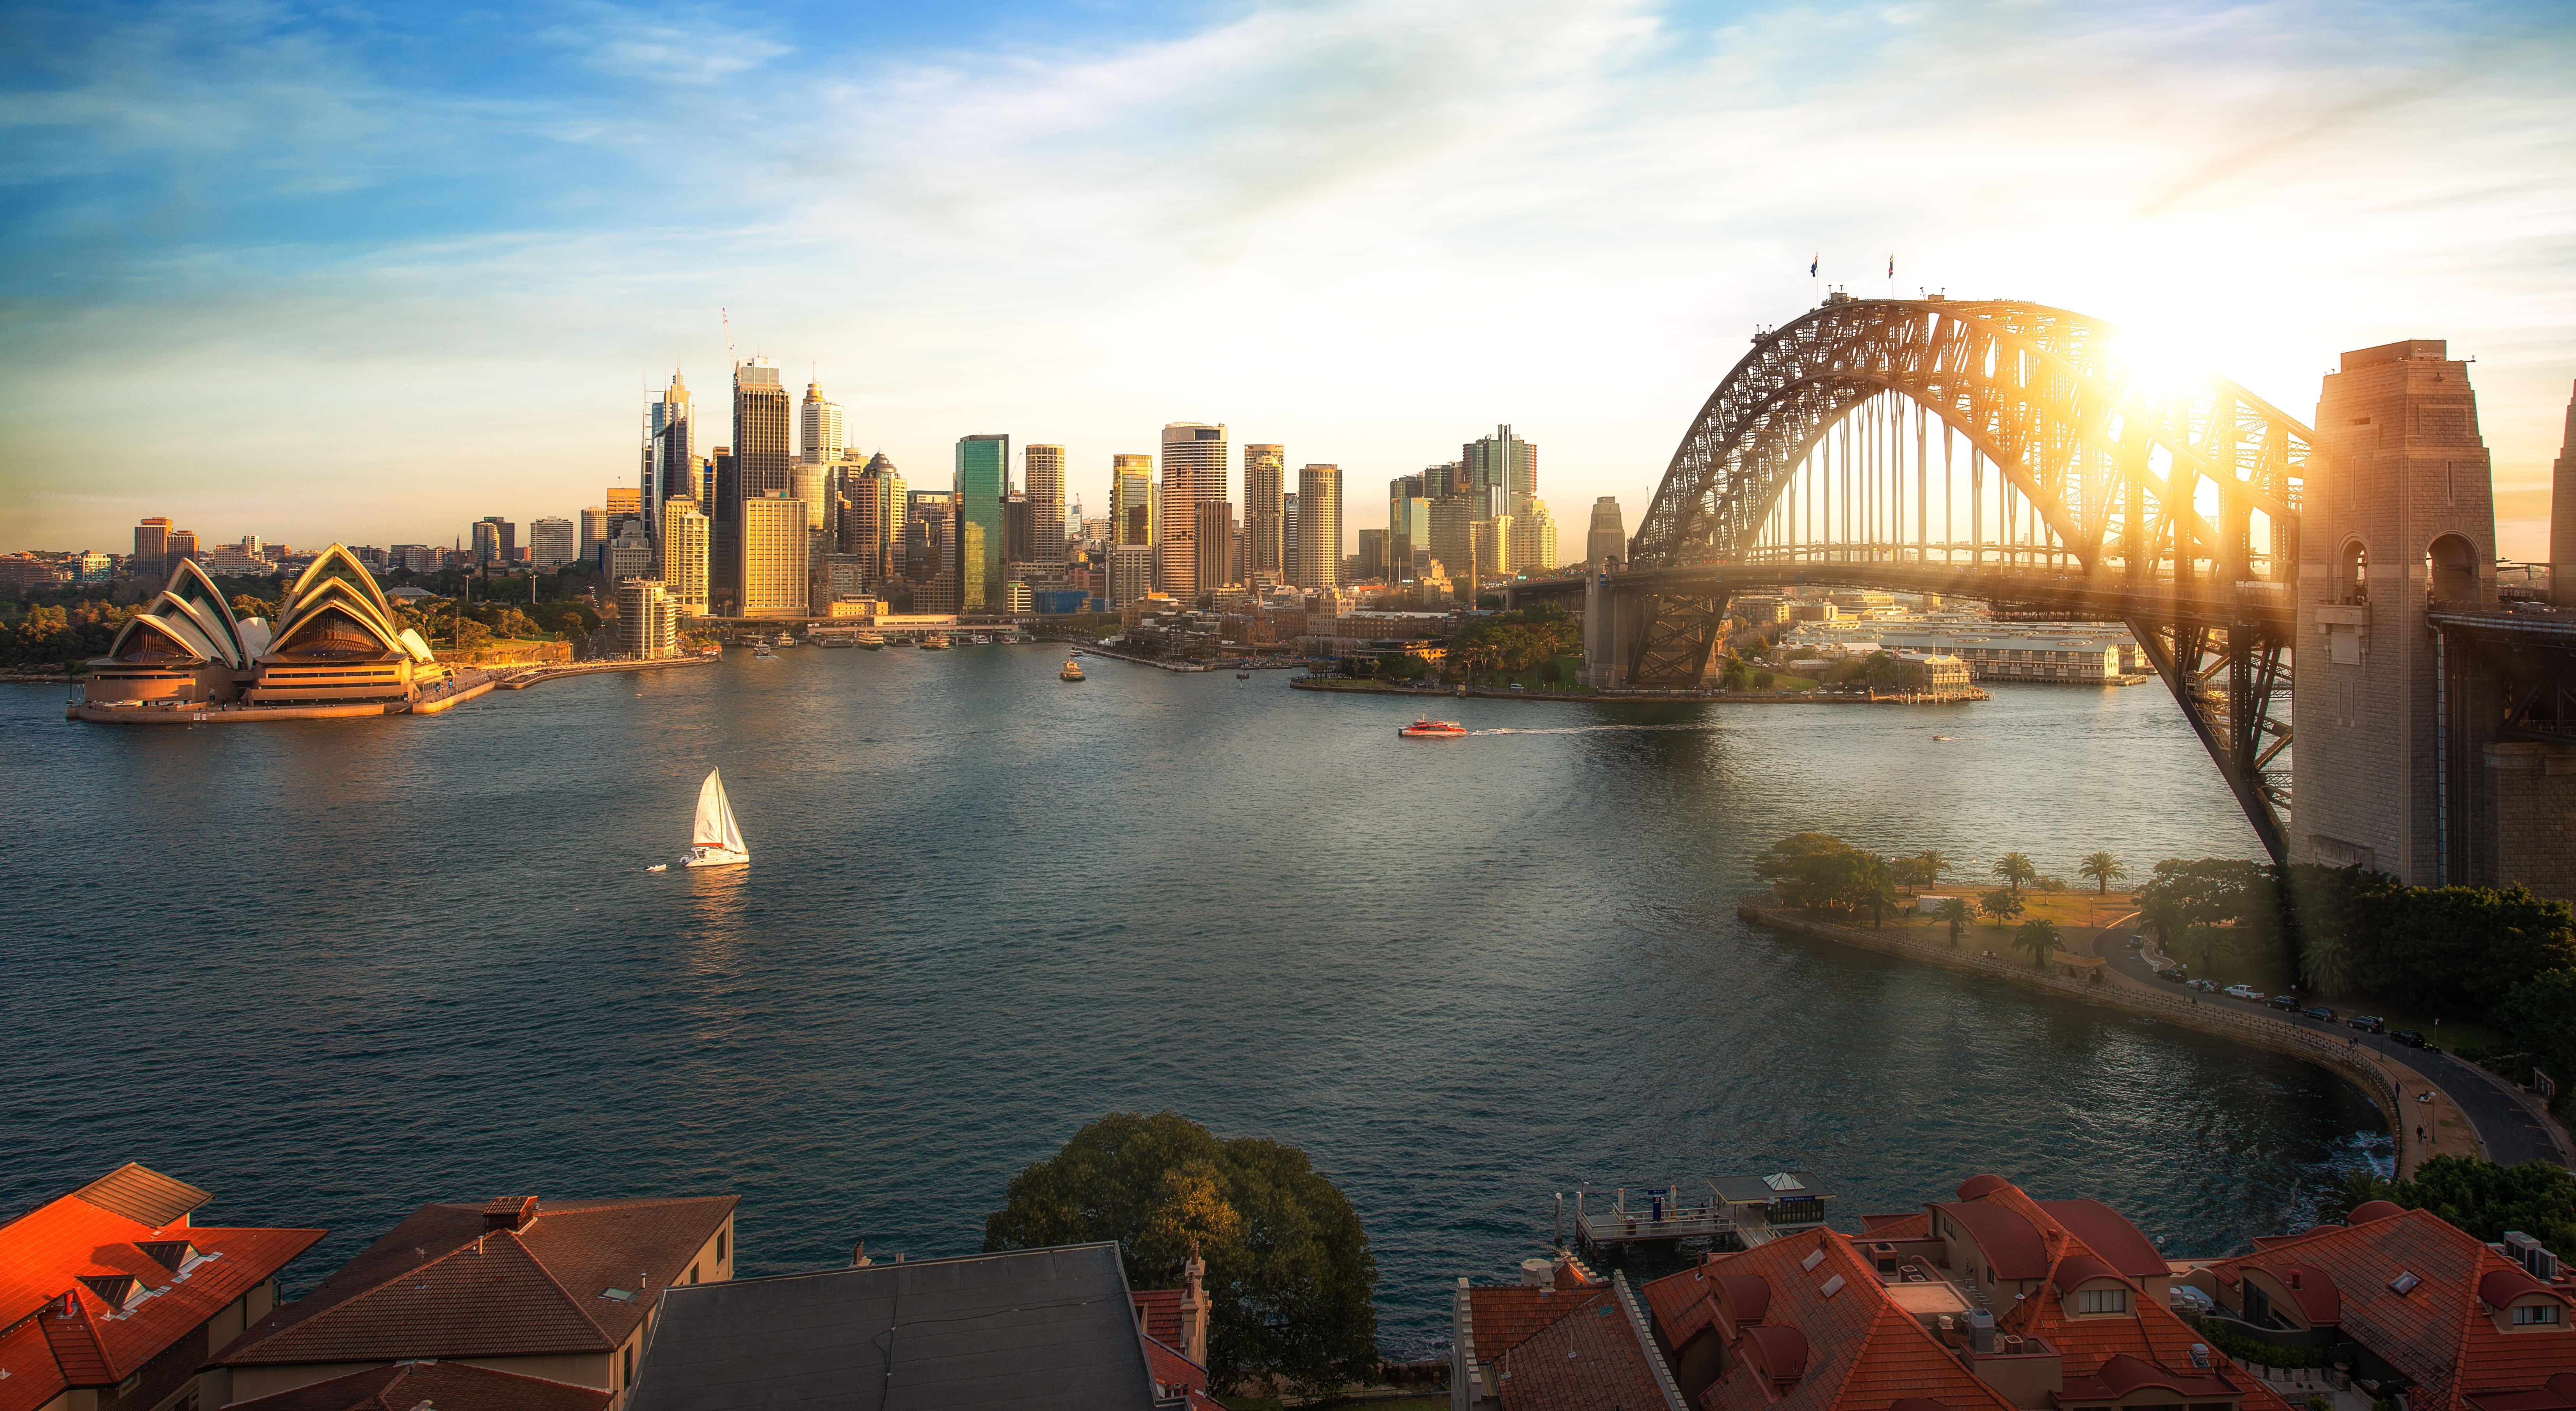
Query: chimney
[509,1212]
[1194,1307]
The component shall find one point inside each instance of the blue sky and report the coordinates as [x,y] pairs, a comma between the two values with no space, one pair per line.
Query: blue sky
[368,272]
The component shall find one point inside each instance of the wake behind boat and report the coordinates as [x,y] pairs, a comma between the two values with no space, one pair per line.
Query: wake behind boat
[715,841]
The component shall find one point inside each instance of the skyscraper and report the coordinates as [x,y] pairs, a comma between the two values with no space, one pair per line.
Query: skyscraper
[2562,516]
[1131,500]
[1408,525]
[818,427]
[1319,526]
[1501,460]
[1372,554]
[151,544]
[684,555]
[496,543]
[670,470]
[1042,479]
[872,529]
[983,477]
[776,552]
[930,550]
[1607,539]
[1288,536]
[1213,529]
[755,469]
[594,532]
[1193,471]
[1265,484]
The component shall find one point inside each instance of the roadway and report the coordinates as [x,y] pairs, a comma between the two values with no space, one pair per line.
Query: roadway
[2509,1130]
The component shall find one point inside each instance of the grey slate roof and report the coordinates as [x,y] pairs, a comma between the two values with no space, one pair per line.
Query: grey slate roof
[1756,1190]
[1039,1327]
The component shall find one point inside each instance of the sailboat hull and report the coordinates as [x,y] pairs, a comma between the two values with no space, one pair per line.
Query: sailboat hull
[715,857]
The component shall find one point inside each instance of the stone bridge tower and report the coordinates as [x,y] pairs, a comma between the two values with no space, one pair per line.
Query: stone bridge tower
[2393,723]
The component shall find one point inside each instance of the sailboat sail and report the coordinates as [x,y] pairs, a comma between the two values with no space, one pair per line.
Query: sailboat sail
[732,834]
[715,817]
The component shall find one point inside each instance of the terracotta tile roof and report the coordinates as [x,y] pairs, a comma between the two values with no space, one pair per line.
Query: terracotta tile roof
[2438,1334]
[1906,1225]
[1862,1353]
[448,1386]
[2558,1394]
[1589,1361]
[108,1304]
[2108,1234]
[2320,1302]
[1178,1372]
[1508,1316]
[1159,1313]
[440,1285]
[2009,1237]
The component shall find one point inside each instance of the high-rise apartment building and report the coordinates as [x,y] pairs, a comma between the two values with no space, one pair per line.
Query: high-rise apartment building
[1453,522]
[684,556]
[1042,479]
[1288,536]
[819,433]
[1372,558]
[872,526]
[754,469]
[496,542]
[1265,487]
[930,554]
[648,620]
[806,481]
[776,551]
[1193,472]
[594,532]
[1607,540]
[1213,531]
[630,554]
[1131,572]
[552,542]
[670,471]
[1533,539]
[1019,531]
[1319,526]
[983,477]
[151,547]
[1131,499]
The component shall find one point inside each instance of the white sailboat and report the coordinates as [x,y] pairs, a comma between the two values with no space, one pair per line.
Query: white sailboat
[716,841]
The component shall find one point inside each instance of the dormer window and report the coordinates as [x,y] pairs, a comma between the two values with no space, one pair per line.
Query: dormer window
[2535,1315]
[2102,1300]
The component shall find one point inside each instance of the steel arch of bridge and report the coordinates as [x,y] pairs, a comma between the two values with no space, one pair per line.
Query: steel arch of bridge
[2180,504]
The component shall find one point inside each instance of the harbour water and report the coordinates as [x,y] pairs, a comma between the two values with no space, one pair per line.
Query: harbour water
[333,970]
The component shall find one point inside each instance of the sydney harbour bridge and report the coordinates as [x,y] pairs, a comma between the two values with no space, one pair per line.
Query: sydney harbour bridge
[2030,458]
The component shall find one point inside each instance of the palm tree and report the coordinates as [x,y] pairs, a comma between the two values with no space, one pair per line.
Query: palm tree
[2326,961]
[1930,864]
[2015,869]
[1956,912]
[2103,868]
[2037,938]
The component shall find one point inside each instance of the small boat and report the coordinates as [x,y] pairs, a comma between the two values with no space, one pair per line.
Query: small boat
[715,841]
[786,641]
[761,649]
[1077,654]
[1072,669]
[935,642]
[1432,730]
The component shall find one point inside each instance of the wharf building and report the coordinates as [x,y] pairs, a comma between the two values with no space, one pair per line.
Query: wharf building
[336,640]
[114,1295]
[1193,473]
[983,475]
[1265,487]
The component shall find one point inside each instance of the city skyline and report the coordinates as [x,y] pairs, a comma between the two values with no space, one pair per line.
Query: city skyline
[2253,187]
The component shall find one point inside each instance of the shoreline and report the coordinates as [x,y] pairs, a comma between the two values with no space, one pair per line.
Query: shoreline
[1504,693]
[2385,1082]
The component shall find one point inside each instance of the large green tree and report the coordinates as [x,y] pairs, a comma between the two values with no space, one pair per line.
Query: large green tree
[1289,1275]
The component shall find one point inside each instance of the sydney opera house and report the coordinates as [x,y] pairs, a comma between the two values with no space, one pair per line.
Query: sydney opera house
[335,648]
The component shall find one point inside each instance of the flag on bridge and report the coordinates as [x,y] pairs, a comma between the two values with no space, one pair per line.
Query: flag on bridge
[1812,261]
[1891,266]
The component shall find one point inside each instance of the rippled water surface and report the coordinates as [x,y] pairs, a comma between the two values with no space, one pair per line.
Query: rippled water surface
[333,970]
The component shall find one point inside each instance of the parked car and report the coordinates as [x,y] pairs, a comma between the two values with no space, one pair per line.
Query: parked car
[2408,1037]
[2243,992]
[1519,687]
[2209,985]
[2173,974]
[2368,1023]
[2285,1003]
[2321,1014]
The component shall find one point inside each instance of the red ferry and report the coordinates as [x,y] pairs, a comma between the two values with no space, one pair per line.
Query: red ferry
[1432,729]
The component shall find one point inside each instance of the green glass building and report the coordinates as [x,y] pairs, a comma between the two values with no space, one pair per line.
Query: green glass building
[983,477]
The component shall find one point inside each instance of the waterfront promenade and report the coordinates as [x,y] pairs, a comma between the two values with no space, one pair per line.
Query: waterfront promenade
[2462,1109]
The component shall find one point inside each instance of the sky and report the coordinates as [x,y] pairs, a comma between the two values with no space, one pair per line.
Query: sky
[369,272]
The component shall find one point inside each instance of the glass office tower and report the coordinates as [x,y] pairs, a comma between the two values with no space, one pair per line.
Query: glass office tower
[983,477]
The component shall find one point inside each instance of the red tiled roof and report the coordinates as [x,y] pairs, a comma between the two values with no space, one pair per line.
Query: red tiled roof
[1509,1316]
[2498,1288]
[448,1386]
[2009,1238]
[2081,1268]
[1590,1361]
[2437,1333]
[2109,1235]
[2320,1302]
[1159,1313]
[2557,1394]
[1863,1353]
[70,1256]
[1178,1372]
[2121,1374]
[1907,1225]
[439,1285]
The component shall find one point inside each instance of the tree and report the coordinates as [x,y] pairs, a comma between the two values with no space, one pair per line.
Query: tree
[2486,1199]
[2103,868]
[2540,1015]
[2204,948]
[1907,871]
[1289,1275]
[1956,913]
[1933,862]
[2003,904]
[1794,866]
[2015,869]
[1858,881]
[2355,1191]
[2037,939]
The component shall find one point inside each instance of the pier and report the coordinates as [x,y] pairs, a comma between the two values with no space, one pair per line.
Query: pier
[1730,1212]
